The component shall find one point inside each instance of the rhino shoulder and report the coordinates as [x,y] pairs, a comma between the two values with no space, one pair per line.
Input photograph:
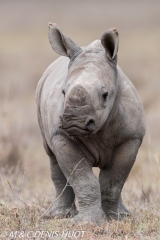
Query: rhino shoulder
[131,108]
[53,74]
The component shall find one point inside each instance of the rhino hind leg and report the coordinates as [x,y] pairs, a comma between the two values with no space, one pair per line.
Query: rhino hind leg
[64,203]
[113,179]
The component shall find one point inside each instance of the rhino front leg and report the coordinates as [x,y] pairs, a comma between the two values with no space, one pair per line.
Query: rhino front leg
[64,205]
[113,179]
[78,171]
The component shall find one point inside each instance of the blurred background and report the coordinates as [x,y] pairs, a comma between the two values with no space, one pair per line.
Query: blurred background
[25,53]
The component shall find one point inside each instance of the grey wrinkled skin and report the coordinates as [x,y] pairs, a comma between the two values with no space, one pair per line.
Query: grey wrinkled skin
[90,115]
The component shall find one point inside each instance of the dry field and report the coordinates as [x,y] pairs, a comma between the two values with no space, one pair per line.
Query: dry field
[26,189]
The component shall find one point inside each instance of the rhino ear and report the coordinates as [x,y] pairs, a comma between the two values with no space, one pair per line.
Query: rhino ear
[60,43]
[110,43]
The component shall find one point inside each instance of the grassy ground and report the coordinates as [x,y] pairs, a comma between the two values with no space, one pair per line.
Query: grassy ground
[26,189]
[144,224]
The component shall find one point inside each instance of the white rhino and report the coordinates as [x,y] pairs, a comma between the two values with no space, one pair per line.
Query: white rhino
[90,115]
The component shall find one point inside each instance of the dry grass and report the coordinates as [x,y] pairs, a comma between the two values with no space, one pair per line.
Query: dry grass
[144,224]
[26,189]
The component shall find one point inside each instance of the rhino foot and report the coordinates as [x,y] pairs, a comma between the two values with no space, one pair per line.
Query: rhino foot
[119,214]
[123,211]
[61,212]
[95,217]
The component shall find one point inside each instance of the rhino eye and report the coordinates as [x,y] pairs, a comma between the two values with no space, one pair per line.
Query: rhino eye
[63,92]
[104,96]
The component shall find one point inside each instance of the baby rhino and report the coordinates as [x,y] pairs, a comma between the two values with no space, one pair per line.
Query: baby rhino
[90,115]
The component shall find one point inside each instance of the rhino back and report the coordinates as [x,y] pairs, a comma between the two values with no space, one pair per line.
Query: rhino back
[130,109]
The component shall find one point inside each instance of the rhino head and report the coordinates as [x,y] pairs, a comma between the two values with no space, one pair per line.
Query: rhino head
[91,85]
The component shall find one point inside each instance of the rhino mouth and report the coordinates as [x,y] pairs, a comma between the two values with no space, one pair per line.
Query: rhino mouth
[77,126]
[76,130]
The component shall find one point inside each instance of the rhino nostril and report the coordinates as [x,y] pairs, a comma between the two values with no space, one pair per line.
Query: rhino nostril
[60,125]
[90,124]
